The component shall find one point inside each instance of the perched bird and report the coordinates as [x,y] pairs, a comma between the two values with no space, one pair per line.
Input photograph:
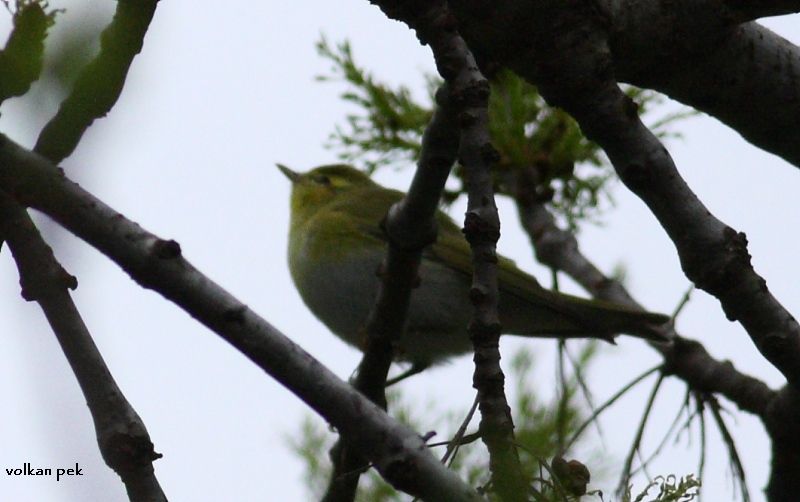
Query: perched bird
[336,246]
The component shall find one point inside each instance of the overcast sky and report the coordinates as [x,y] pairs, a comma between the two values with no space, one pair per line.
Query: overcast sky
[220,93]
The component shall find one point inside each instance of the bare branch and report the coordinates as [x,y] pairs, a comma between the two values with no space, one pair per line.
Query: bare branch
[398,453]
[742,74]
[435,26]
[713,255]
[410,226]
[781,419]
[123,439]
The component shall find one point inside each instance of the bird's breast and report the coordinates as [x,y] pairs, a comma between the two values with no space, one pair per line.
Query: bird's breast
[340,289]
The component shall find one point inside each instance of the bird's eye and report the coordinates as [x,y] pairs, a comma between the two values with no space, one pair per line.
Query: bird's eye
[322,179]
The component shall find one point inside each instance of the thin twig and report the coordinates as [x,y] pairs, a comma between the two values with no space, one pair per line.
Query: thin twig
[645,462]
[456,442]
[701,468]
[458,439]
[683,302]
[687,425]
[467,439]
[611,401]
[737,469]
[626,469]
[555,482]
[563,399]
[587,392]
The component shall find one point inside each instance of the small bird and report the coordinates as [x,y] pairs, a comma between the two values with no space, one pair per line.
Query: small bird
[336,245]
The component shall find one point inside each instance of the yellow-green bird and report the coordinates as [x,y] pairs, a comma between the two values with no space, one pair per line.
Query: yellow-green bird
[336,245]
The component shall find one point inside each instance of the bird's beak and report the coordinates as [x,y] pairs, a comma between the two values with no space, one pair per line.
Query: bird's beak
[293,176]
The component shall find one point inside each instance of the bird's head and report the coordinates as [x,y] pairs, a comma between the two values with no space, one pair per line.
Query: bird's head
[316,188]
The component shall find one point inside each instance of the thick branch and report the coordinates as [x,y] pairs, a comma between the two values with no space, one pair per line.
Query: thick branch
[398,453]
[744,75]
[123,439]
[781,421]
[99,84]
[713,255]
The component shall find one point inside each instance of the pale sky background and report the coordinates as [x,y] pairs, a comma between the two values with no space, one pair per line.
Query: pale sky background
[220,93]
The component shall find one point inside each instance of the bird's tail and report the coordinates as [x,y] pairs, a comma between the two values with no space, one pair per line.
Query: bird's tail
[566,316]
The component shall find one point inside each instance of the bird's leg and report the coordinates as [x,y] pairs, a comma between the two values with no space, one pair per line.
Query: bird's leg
[415,368]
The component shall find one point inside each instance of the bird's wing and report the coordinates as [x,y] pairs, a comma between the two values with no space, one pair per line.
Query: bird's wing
[532,310]
[452,249]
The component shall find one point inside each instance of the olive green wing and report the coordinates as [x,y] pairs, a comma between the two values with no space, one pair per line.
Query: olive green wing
[525,307]
[528,309]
